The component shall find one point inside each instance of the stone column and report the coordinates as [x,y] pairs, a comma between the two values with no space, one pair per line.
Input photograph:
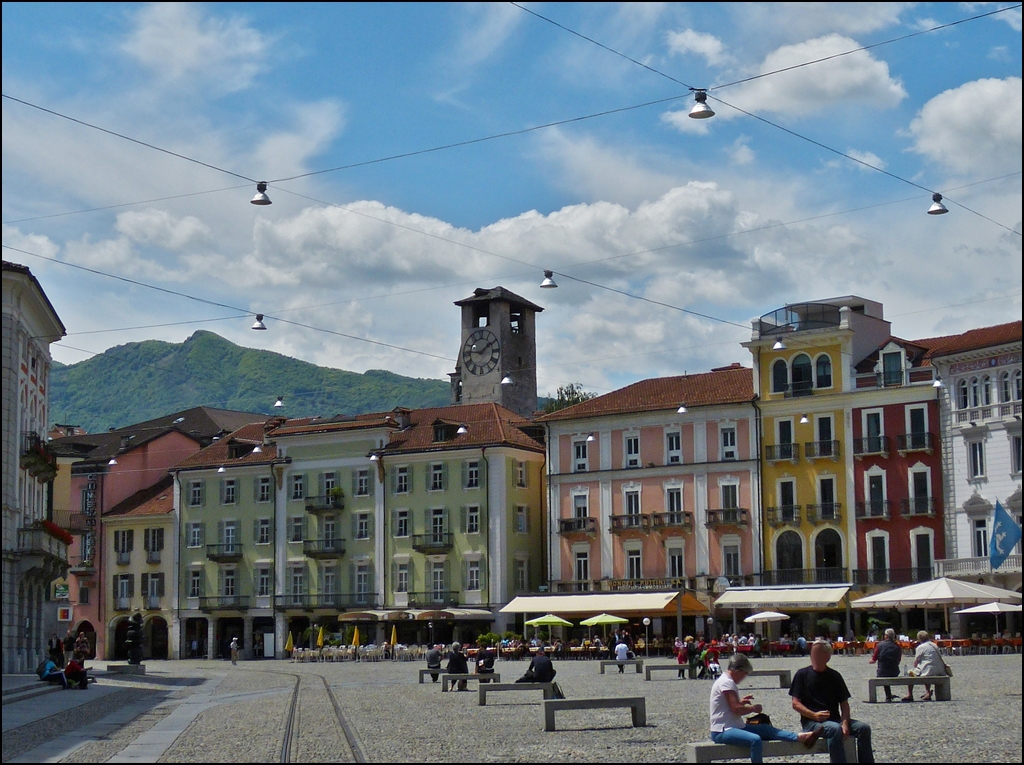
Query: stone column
[280,635]
[247,653]
[211,638]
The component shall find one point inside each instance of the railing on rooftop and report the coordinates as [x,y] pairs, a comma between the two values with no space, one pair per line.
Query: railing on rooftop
[799,317]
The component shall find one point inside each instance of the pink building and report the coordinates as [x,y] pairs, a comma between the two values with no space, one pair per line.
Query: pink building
[655,486]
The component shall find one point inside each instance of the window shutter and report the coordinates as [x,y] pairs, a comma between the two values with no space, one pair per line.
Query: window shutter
[322,488]
[410,567]
[146,535]
[483,575]
[202,494]
[393,481]
[305,526]
[428,470]
[255,488]
[355,483]
[465,474]
[202,534]
[465,575]
[220,581]
[526,474]
[464,520]
[355,526]
[116,577]
[369,524]
[255,530]
[131,540]
[220,532]
[444,475]
[371,480]
[394,575]
[159,584]
[145,585]
[159,539]
[352,578]
[427,527]
[371,578]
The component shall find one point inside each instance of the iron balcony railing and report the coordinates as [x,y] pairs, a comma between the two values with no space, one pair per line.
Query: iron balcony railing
[678,519]
[122,604]
[918,506]
[433,543]
[828,512]
[306,601]
[323,548]
[784,514]
[814,450]
[892,576]
[124,557]
[803,576]
[782,452]
[586,525]
[225,553]
[153,556]
[328,504]
[433,598]
[863,447]
[914,442]
[631,522]
[224,603]
[873,508]
[578,585]
[729,516]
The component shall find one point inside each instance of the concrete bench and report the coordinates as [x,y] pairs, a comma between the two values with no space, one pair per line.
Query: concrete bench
[707,751]
[448,680]
[638,663]
[636,704]
[785,676]
[425,672]
[941,683]
[667,667]
[485,688]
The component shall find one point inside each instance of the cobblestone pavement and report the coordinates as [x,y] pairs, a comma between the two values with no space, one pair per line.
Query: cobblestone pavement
[237,714]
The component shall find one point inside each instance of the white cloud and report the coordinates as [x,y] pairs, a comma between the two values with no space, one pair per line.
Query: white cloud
[485,28]
[703,44]
[182,44]
[799,21]
[740,152]
[34,243]
[869,157]
[974,129]
[160,228]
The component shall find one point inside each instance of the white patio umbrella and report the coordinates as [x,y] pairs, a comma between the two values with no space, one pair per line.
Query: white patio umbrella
[766,616]
[992,608]
[938,593]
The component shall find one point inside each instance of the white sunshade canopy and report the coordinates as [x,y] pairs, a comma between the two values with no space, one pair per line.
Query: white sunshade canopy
[590,604]
[938,593]
[766,616]
[991,608]
[782,597]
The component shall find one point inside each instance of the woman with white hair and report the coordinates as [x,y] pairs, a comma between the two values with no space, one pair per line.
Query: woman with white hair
[928,663]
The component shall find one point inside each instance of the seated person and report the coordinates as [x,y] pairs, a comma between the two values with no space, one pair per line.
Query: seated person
[434,661]
[485,664]
[541,670]
[727,708]
[52,674]
[457,664]
[76,673]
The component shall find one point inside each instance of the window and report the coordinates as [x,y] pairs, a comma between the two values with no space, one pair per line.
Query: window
[263,581]
[195,583]
[154,540]
[632,503]
[263,489]
[298,486]
[892,369]
[1005,388]
[975,392]
[729,444]
[582,566]
[473,520]
[522,576]
[673,448]
[1015,455]
[363,526]
[522,519]
[731,560]
[438,581]
[674,500]
[579,464]
[402,480]
[980,529]
[802,375]
[83,596]
[521,474]
[228,583]
[296,528]
[227,492]
[362,488]
[298,578]
[195,534]
[674,559]
[437,523]
[329,530]
[579,506]
[473,575]
[977,459]
[401,577]
[402,523]
[263,531]
[963,402]
[228,537]
[329,481]
[823,371]
[124,541]
[437,477]
[329,580]
[634,570]
[1017,385]
[986,391]
[195,493]
[780,376]
[471,475]
[730,496]
[785,439]
[632,451]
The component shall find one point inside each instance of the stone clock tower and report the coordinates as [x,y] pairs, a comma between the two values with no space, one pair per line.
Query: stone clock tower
[499,342]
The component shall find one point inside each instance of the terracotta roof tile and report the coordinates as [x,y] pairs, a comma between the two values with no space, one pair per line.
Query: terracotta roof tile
[729,385]
[219,452]
[158,499]
[486,425]
[337,424]
[973,339]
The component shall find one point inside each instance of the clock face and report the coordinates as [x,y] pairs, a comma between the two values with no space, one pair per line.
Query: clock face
[480,352]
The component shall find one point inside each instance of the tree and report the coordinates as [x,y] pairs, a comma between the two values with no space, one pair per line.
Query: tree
[568,395]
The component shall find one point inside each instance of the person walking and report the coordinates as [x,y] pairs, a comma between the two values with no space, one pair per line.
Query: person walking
[887,655]
[82,645]
[234,650]
[69,646]
[822,700]
[727,710]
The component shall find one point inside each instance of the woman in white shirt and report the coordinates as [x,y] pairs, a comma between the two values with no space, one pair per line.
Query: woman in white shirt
[727,710]
[928,662]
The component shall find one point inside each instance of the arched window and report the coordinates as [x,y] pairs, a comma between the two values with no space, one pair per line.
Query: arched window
[1005,390]
[789,557]
[1016,386]
[802,380]
[823,371]
[975,392]
[963,402]
[986,391]
[828,557]
[780,376]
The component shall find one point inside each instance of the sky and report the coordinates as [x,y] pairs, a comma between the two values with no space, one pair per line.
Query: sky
[667,235]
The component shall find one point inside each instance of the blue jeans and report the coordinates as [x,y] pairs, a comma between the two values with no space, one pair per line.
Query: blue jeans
[833,733]
[751,736]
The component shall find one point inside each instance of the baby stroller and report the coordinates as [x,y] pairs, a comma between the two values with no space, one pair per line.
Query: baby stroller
[712,669]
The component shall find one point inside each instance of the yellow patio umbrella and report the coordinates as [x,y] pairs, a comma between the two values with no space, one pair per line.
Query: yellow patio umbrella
[355,637]
[289,645]
[320,638]
[394,635]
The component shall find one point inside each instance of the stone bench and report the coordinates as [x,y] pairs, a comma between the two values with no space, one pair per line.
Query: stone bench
[674,667]
[638,663]
[425,672]
[941,683]
[785,676]
[448,680]
[485,688]
[707,751]
[636,704]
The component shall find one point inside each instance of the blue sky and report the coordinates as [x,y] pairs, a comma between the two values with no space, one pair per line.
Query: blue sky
[381,251]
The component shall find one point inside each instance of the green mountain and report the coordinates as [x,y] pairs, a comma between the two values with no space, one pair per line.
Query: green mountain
[140,381]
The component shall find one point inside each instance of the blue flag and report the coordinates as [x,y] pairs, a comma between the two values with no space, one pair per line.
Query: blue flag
[1005,536]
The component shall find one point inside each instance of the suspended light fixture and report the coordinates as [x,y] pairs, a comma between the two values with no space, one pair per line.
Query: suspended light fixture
[259,322]
[548,283]
[700,110]
[506,380]
[937,383]
[681,409]
[375,457]
[779,346]
[937,207]
[804,420]
[113,461]
[591,438]
[261,197]
[279,402]
[463,430]
[257,449]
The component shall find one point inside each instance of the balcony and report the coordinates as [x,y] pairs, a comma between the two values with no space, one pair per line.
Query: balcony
[673,520]
[122,604]
[41,552]
[578,585]
[782,452]
[433,599]
[918,507]
[799,317]
[631,522]
[584,525]
[641,585]
[729,516]
[124,557]
[230,552]
[871,446]
[152,603]
[914,442]
[224,603]
[784,515]
[895,577]
[334,601]
[82,565]
[36,458]
[323,548]
[153,556]
[819,450]
[874,508]
[321,505]
[80,523]
[803,576]
[828,512]
[992,412]
[972,567]
[433,544]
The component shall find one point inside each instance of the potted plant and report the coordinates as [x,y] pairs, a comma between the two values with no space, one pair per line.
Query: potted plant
[336,497]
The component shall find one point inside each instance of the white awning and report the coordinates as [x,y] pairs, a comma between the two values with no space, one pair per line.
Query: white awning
[585,604]
[782,597]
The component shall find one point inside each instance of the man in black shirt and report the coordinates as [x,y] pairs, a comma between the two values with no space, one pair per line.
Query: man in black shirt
[434,661]
[541,670]
[457,664]
[888,655]
[821,698]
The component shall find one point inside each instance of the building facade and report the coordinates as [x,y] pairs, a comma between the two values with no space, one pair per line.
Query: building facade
[35,549]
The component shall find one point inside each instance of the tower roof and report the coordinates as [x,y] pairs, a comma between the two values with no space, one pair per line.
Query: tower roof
[481,295]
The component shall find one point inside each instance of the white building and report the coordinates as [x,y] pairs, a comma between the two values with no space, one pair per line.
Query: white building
[981,432]
[35,551]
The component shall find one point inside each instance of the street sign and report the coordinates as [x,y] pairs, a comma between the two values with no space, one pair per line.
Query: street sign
[60,592]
